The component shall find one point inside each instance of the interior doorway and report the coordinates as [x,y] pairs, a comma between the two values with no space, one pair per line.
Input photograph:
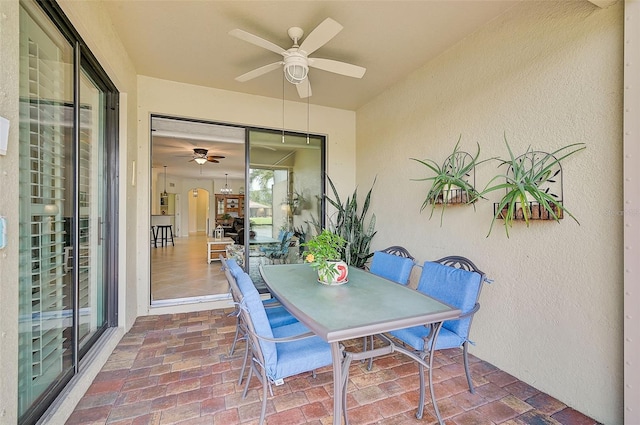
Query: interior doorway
[253,184]
[191,161]
[198,211]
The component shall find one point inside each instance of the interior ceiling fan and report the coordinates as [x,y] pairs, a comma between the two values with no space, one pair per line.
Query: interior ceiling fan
[296,60]
[200,156]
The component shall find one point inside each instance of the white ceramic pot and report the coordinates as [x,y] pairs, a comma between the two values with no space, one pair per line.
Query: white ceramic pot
[336,275]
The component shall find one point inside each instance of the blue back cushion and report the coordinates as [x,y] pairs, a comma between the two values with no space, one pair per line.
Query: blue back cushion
[258,316]
[246,284]
[392,267]
[234,268]
[459,288]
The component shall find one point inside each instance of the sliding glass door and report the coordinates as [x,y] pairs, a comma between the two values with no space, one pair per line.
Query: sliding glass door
[66,127]
[286,188]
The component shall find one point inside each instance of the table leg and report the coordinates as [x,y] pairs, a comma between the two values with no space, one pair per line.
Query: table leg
[336,355]
[430,372]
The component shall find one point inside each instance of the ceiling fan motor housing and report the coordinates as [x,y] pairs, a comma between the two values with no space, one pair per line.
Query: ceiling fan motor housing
[200,151]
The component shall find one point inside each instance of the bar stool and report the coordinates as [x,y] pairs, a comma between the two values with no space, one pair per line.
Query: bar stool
[165,231]
[154,236]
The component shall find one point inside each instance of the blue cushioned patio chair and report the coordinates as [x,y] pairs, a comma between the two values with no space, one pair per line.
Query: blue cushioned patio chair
[278,316]
[278,353]
[279,251]
[393,263]
[458,282]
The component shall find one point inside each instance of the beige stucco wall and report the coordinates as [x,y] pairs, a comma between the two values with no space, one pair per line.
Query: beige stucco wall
[546,74]
[94,26]
[163,97]
[9,75]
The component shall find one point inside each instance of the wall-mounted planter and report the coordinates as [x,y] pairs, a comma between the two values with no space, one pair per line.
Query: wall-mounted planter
[453,197]
[533,187]
[453,182]
[537,212]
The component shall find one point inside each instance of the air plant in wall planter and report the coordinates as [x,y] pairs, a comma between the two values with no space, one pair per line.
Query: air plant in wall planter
[453,182]
[533,186]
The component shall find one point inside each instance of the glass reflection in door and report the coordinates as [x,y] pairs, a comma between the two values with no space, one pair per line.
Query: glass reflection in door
[285,190]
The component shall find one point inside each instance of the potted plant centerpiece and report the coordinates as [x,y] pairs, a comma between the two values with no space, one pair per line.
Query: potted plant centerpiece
[323,252]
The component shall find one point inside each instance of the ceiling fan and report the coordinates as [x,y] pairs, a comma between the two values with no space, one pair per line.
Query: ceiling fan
[200,156]
[296,60]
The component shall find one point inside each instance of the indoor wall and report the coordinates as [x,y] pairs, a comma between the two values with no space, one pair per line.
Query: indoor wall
[545,75]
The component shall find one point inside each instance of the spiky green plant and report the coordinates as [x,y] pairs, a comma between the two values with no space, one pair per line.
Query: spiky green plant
[525,174]
[454,174]
[351,225]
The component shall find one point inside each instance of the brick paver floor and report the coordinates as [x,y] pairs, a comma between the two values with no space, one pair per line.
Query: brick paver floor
[176,369]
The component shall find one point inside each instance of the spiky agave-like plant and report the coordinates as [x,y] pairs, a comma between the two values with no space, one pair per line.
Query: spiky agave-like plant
[454,174]
[523,179]
[351,225]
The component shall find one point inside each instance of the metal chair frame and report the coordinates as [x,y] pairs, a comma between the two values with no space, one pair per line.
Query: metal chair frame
[462,263]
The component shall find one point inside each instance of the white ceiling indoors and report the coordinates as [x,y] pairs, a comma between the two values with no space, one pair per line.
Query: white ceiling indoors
[188,41]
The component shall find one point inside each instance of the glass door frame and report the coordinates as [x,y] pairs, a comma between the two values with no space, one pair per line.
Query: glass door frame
[83,61]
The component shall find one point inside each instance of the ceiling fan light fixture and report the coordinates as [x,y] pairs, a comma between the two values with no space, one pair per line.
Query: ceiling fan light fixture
[200,161]
[295,69]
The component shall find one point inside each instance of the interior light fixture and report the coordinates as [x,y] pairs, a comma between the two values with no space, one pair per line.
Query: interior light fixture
[200,161]
[295,69]
[195,192]
[226,190]
[165,194]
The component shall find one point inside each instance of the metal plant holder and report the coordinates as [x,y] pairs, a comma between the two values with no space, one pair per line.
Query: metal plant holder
[549,182]
[457,161]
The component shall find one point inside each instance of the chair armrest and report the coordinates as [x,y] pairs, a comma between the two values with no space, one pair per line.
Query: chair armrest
[470,312]
[286,339]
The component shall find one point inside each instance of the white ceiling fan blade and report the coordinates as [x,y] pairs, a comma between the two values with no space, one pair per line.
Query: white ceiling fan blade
[320,35]
[304,88]
[259,71]
[338,67]
[254,39]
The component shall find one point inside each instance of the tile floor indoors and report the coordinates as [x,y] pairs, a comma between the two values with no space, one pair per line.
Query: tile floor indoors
[176,369]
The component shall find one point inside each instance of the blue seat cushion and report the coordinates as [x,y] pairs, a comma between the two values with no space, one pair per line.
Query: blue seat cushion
[413,336]
[299,356]
[456,287]
[392,267]
[278,316]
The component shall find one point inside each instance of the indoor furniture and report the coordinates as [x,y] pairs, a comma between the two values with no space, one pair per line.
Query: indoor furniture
[216,247]
[164,235]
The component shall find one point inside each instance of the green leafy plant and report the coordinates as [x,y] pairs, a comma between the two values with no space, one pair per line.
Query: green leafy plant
[351,225]
[451,182]
[524,183]
[322,249]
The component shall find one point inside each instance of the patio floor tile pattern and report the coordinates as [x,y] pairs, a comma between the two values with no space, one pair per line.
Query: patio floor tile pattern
[176,369]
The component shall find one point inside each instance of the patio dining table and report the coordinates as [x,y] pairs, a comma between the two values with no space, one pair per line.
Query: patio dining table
[263,240]
[366,305]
